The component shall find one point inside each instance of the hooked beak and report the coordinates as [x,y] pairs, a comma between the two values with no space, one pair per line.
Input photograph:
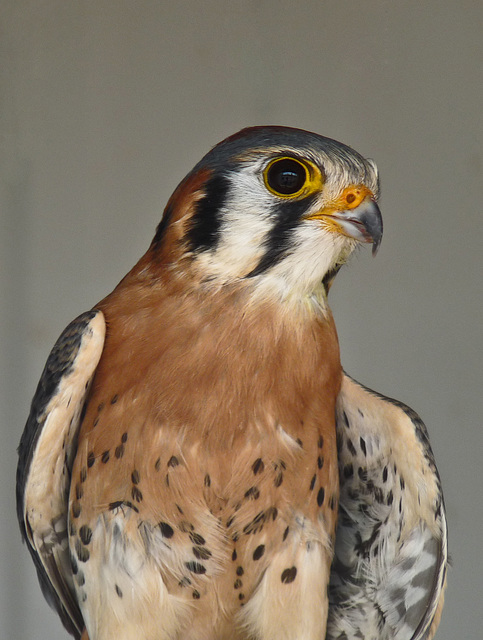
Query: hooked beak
[356,215]
[364,223]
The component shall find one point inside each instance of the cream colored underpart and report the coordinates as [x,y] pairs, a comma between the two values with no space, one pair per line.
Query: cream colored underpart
[298,610]
[125,596]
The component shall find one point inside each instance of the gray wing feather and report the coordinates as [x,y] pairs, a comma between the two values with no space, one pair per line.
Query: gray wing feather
[389,568]
[46,453]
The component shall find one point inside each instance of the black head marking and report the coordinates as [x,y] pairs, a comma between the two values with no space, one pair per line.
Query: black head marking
[204,231]
[288,215]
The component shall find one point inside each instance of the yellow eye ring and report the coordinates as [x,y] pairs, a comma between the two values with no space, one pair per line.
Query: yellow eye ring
[288,177]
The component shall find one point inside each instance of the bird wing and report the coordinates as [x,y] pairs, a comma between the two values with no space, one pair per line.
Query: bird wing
[389,569]
[46,453]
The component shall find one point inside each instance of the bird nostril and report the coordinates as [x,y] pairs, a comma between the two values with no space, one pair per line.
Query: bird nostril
[354,195]
[350,197]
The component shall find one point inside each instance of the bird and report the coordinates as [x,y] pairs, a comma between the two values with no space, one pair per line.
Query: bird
[197,465]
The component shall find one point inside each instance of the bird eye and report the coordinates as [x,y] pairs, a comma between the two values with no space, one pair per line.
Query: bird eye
[285,176]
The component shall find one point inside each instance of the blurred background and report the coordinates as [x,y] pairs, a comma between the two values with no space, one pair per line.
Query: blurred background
[105,106]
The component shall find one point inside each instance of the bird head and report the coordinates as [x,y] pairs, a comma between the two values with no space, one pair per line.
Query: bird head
[277,209]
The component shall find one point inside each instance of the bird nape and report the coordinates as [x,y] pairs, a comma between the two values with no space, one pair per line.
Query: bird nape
[196,465]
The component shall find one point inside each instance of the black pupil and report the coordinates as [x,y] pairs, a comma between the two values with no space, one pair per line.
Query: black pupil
[286,176]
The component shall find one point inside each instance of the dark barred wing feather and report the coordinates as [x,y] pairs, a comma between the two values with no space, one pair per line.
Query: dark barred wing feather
[389,569]
[46,453]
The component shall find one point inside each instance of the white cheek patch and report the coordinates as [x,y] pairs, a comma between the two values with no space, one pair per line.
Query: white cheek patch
[248,218]
[313,252]
[246,222]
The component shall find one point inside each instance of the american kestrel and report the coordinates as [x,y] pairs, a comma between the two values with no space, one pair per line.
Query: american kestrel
[179,471]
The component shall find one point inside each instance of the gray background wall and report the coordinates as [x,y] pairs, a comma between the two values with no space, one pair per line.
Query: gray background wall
[106,106]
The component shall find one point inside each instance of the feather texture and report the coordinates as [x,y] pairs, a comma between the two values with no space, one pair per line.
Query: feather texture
[389,570]
[184,486]
[179,472]
[46,455]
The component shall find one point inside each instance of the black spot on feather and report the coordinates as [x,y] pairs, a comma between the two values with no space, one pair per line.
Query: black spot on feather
[119,504]
[166,530]
[253,493]
[259,551]
[351,447]
[82,553]
[83,412]
[288,575]
[348,470]
[255,525]
[195,567]
[196,538]
[320,496]
[202,553]
[136,494]
[85,534]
